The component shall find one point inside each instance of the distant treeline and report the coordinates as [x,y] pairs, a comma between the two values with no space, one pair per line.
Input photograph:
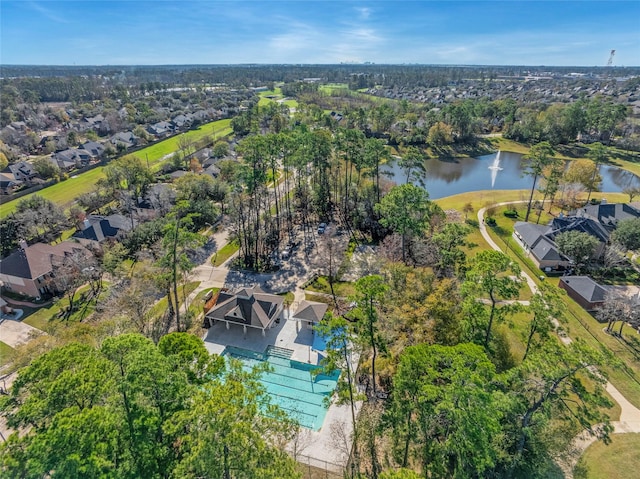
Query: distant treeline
[387,75]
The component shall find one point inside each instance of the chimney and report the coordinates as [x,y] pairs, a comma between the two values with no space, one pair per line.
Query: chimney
[23,244]
[603,201]
[85,224]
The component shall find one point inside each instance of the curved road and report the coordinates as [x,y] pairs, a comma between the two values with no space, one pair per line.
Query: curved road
[629,414]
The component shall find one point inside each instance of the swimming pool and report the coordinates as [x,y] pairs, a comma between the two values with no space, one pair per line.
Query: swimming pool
[291,384]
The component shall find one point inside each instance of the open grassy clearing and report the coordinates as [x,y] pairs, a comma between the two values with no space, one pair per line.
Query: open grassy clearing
[155,153]
[41,318]
[197,305]
[619,459]
[6,352]
[184,291]
[275,95]
[580,324]
[65,192]
[341,288]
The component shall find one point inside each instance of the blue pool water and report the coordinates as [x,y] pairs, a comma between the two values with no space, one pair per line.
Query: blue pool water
[291,385]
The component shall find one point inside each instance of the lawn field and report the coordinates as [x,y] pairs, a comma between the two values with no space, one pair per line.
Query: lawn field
[66,192]
[63,193]
[6,352]
[618,459]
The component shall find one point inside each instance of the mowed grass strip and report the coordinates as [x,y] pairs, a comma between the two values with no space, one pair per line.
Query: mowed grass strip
[226,252]
[63,193]
[6,352]
[66,192]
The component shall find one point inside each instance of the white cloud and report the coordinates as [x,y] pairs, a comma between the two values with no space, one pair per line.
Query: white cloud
[51,15]
[363,12]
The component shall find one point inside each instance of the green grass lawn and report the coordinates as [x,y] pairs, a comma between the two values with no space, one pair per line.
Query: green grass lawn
[580,324]
[226,252]
[197,305]
[156,152]
[618,459]
[183,291]
[41,318]
[341,288]
[6,352]
[65,192]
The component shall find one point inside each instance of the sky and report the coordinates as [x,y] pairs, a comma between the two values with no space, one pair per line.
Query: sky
[132,32]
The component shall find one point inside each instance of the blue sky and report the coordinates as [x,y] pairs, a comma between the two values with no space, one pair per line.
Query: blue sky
[94,32]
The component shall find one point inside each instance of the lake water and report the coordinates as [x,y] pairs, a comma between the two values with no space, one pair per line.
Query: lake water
[452,176]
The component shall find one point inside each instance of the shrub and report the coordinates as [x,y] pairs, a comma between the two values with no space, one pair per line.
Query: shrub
[511,213]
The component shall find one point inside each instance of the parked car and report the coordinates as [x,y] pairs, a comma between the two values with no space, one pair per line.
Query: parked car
[321,228]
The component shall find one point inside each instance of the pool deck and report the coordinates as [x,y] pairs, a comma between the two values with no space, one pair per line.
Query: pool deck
[321,448]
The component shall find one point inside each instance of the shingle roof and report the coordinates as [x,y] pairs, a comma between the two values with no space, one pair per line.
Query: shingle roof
[35,260]
[247,307]
[584,225]
[585,287]
[529,232]
[311,311]
[609,214]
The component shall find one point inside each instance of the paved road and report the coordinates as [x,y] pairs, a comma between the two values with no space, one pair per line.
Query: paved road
[629,414]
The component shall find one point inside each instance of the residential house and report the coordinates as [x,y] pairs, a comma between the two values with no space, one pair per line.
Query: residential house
[598,221]
[181,121]
[161,129]
[23,172]
[8,183]
[608,214]
[30,269]
[584,291]
[249,307]
[71,158]
[310,313]
[95,149]
[539,247]
[97,229]
[124,138]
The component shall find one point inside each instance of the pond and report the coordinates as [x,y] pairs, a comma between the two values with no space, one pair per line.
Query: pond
[498,171]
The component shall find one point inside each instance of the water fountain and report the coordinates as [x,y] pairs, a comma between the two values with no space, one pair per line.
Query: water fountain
[495,167]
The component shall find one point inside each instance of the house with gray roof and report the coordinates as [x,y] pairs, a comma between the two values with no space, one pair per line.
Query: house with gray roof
[248,307]
[539,246]
[71,158]
[23,172]
[95,149]
[124,138]
[608,214]
[310,313]
[8,183]
[97,229]
[584,291]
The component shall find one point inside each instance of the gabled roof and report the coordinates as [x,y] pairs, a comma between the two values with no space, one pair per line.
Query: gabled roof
[584,225]
[609,214]
[34,261]
[247,307]
[311,311]
[97,228]
[93,147]
[585,287]
[529,232]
